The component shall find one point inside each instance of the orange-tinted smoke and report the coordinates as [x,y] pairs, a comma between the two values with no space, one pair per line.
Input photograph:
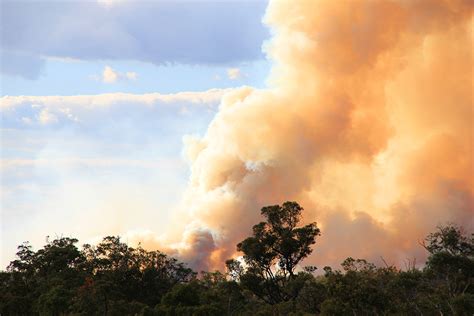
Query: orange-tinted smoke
[367,122]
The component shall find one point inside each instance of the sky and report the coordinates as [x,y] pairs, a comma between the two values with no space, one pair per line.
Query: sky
[96,100]
[173,123]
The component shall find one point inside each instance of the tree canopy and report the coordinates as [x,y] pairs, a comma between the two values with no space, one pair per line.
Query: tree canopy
[112,278]
[274,251]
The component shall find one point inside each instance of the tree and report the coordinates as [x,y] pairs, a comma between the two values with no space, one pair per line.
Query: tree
[274,251]
[120,273]
[112,278]
[450,266]
[360,289]
[450,239]
[47,276]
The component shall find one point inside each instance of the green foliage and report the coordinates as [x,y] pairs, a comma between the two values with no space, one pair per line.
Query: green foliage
[112,278]
[279,241]
[273,253]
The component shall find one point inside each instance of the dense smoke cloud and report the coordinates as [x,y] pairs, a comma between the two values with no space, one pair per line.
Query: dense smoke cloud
[367,123]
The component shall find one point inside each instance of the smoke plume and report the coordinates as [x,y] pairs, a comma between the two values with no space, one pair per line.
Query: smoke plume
[367,122]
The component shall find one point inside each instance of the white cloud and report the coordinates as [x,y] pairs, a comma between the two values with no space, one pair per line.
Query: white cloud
[46,110]
[109,75]
[108,99]
[234,73]
[45,117]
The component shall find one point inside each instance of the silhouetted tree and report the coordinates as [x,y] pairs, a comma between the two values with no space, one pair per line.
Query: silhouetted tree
[273,252]
[451,267]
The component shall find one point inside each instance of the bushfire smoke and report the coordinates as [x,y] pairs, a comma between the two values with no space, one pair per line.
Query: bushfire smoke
[367,123]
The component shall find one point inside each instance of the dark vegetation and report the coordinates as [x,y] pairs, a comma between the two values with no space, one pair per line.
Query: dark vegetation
[112,278]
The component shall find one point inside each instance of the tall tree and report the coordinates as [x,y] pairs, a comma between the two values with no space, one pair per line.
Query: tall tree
[274,251]
[451,266]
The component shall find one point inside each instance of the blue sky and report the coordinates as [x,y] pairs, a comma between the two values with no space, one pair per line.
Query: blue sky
[97,98]
[66,77]
[62,47]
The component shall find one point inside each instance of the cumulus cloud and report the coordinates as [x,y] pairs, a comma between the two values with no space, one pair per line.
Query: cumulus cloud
[110,75]
[202,32]
[234,73]
[367,123]
[89,109]
[46,117]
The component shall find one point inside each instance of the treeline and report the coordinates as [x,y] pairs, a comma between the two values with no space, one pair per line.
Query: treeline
[112,278]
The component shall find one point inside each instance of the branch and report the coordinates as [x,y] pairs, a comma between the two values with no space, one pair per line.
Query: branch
[385,262]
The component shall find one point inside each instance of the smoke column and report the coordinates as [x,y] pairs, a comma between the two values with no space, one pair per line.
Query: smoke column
[367,122]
